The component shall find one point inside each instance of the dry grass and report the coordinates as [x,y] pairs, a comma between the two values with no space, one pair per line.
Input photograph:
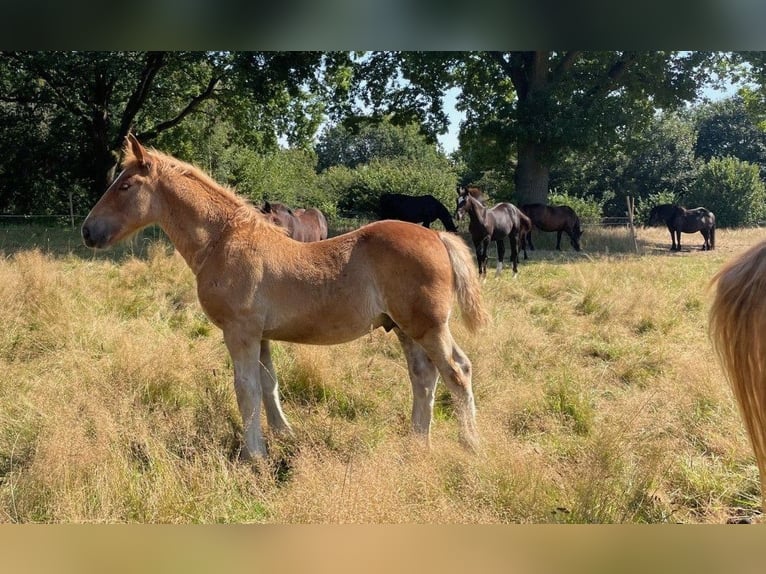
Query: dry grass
[598,399]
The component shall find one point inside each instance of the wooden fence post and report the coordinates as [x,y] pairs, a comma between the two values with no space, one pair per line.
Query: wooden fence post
[631,209]
[71,209]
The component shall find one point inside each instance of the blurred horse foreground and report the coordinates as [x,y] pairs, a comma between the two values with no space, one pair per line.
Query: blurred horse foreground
[738,333]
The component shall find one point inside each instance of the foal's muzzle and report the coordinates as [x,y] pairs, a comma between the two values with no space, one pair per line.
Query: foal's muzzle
[95,234]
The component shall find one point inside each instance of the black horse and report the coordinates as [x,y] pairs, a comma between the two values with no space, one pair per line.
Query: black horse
[493,224]
[679,219]
[416,209]
[558,218]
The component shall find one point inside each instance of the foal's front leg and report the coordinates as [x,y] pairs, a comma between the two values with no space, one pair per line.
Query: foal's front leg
[481,256]
[245,354]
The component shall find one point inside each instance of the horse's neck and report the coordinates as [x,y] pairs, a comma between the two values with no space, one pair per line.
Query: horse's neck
[195,219]
[478,212]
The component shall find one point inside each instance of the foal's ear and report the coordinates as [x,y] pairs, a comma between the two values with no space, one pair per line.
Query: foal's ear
[137,150]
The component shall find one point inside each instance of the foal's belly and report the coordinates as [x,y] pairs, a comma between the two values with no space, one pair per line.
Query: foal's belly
[323,330]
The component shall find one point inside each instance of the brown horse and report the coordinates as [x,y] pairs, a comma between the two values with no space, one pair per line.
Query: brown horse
[301,224]
[558,218]
[257,284]
[493,224]
[738,333]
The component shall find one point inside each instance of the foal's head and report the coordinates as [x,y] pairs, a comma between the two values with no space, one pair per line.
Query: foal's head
[128,204]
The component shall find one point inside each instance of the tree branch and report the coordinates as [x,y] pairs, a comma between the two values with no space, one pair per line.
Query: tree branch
[613,76]
[56,87]
[565,65]
[206,94]
[154,62]
[525,70]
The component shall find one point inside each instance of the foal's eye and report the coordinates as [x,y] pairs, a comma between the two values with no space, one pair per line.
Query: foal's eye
[125,184]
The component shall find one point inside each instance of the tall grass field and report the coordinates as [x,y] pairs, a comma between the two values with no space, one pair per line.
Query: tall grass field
[599,399]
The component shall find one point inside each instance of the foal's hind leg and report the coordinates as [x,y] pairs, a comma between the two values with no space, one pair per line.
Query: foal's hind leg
[423,376]
[500,256]
[270,387]
[455,369]
[514,251]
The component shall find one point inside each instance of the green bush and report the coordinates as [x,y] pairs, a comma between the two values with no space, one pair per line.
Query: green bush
[588,209]
[358,190]
[285,175]
[644,206]
[732,189]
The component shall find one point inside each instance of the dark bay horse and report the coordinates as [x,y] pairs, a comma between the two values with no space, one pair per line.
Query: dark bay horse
[738,333]
[493,224]
[558,218]
[301,224]
[681,220]
[258,285]
[423,209]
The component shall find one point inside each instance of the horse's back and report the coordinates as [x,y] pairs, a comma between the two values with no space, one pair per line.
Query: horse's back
[551,217]
[389,205]
[412,208]
[506,216]
[315,222]
[409,269]
[697,219]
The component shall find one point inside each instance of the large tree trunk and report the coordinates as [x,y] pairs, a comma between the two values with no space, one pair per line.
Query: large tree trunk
[105,166]
[530,76]
[532,176]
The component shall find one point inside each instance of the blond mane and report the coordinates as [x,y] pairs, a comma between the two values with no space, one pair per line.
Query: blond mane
[246,212]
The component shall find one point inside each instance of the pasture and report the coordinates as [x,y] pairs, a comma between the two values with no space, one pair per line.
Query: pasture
[598,398]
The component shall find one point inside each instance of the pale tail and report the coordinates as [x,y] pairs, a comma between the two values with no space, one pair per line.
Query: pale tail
[466,281]
[738,333]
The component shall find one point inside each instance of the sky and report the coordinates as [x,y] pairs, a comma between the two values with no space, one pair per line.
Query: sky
[449,141]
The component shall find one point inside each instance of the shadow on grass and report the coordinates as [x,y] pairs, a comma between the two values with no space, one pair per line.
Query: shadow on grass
[64,241]
[58,241]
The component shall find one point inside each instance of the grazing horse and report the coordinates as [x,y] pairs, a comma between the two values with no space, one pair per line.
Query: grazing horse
[258,285]
[679,219]
[416,209]
[492,224]
[301,224]
[738,334]
[558,218]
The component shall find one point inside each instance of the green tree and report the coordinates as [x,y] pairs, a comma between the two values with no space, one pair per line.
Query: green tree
[732,189]
[726,128]
[527,109]
[651,159]
[357,141]
[364,158]
[78,106]
[661,160]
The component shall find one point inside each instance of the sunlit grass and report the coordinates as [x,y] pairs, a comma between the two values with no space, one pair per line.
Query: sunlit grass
[597,394]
